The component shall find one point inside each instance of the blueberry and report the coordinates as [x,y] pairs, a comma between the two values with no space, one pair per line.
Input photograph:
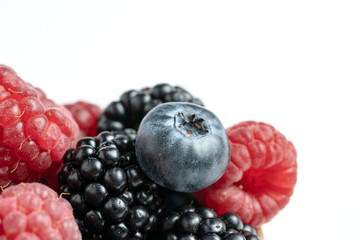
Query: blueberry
[182,146]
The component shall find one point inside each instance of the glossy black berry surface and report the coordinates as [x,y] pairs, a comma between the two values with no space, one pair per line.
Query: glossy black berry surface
[197,222]
[182,146]
[110,195]
[135,104]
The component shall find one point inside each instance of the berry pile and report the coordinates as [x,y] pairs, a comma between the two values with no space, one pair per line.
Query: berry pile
[117,183]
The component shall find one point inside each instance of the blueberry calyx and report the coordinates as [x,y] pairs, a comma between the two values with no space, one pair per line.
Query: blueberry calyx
[190,124]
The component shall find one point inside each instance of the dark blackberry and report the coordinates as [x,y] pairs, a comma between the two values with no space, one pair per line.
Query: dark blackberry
[134,105]
[197,222]
[110,195]
[172,199]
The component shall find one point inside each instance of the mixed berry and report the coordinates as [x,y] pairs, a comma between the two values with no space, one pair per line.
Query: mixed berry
[261,174]
[197,222]
[34,132]
[34,211]
[110,195]
[182,146]
[133,105]
[86,116]
[154,165]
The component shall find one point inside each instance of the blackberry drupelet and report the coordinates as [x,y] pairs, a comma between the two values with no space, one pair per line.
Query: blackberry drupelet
[134,105]
[110,195]
[198,222]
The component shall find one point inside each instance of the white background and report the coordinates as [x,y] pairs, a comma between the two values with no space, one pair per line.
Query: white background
[293,64]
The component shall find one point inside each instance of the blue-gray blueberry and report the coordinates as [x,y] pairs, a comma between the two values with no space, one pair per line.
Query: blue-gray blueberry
[182,146]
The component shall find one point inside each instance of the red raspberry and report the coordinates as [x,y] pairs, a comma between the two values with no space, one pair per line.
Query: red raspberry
[86,115]
[34,132]
[260,177]
[34,211]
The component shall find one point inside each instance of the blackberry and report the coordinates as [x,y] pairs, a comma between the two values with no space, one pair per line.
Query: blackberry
[198,222]
[110,195]
[134,105]
[173,199]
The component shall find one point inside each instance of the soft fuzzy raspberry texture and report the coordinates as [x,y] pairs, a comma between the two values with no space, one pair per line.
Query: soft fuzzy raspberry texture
[33,211]
[260,177]
[86,115]
[34,132]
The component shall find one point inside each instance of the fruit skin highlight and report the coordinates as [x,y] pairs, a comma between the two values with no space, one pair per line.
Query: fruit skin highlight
[34,211]
[260,178]
[182,146]
[34,132]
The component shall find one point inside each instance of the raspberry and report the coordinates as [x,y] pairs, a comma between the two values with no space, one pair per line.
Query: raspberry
[260,178]
[34,211]
[135,104]
[34,132]
[86,115]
